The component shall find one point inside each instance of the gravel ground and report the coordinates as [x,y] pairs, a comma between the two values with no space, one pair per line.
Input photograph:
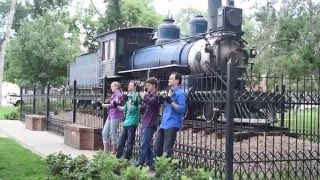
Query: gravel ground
[258,154]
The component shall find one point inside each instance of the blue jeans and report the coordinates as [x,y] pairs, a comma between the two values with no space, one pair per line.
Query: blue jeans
[109,131]
[128,135]
[146,154]
[165,141]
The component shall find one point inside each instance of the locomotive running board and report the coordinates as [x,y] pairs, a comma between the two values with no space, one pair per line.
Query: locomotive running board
[164,70]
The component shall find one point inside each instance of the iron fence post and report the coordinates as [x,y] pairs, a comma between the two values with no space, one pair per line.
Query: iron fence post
[63,104]
[48,105]
[229,119]
[34,100]
[20,103]
[104,115]
[283,90]
[74,110]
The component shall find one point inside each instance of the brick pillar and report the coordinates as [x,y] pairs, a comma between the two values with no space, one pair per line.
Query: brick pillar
[83,137]
[35,122]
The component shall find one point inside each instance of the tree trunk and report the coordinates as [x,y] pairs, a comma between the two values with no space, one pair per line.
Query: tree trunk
[4,43]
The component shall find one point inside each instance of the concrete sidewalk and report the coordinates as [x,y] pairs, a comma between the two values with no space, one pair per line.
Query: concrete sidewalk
[42,143]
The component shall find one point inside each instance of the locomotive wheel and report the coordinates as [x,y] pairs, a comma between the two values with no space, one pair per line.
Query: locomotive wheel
[211,112]
[188,114]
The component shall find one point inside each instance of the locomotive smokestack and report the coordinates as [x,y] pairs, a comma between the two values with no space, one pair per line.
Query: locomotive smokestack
[213,6]
[230,3]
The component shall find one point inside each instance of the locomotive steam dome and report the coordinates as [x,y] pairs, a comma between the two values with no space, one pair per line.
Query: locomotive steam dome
[167,31]
[198,25]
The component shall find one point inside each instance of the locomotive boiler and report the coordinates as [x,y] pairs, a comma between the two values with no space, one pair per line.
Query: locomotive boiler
[137,52]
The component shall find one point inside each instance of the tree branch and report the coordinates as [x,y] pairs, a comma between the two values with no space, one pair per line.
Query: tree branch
[274,42]
[96,9]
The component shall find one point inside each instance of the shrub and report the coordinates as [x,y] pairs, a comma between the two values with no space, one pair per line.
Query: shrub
[12,115]
[105,166]
[196,174]
[57,163]
[166,167]
[55,106]
[102,166]
[135,173]
[122,165]
[76,168]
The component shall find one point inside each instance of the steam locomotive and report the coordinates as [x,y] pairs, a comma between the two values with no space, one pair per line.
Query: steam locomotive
[137,52]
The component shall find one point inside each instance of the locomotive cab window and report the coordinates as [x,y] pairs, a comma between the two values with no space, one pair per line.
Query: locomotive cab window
[109,49]
[132,40]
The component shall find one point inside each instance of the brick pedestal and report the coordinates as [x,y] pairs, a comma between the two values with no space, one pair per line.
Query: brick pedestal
[83,137]
[35,122]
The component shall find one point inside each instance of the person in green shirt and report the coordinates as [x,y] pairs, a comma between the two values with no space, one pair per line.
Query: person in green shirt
[130,124]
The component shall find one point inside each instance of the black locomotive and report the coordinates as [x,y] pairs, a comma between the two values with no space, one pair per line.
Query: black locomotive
[138,52]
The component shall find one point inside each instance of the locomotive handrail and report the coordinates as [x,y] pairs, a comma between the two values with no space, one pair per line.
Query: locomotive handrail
[213,71]
[173,41]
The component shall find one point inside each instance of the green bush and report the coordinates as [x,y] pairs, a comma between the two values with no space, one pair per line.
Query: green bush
[166,167]
[12,115]
[76,168]
[55,106]
[105,166]
[57,163]
[102,166]
[135,173]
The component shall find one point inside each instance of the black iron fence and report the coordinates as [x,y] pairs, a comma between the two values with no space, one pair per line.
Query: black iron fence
[247,127]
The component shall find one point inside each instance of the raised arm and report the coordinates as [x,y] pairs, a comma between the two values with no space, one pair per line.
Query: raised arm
[150,99]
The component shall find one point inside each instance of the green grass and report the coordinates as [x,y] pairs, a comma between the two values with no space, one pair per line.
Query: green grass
[303,120]
[19,163]
[6,110]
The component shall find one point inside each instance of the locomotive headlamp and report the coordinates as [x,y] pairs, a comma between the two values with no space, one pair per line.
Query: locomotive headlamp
[253,53]
[229,18]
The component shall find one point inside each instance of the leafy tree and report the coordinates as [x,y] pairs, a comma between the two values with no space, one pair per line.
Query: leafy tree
[41,52]
[41,7]
[29,9]
[90,28]
[118,14]
[113,17]
[21,13]
[288,38]
[139,13]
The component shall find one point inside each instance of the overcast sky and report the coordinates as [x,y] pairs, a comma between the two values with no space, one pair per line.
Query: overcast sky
[163,6]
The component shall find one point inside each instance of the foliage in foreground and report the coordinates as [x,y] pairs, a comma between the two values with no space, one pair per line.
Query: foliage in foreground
[106,166]
[9,111]
[19,163]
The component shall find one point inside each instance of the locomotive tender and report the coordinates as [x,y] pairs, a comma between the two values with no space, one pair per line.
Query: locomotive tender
[137,52]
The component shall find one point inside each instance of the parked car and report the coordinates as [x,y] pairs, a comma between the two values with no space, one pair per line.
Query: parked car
[14,99]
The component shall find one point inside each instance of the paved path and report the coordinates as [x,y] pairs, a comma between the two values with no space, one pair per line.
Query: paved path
[42,143]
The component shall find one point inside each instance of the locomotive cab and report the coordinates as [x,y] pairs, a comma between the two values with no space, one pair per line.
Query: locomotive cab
[118,45]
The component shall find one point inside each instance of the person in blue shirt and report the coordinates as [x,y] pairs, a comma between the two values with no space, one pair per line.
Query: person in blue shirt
[172,119]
